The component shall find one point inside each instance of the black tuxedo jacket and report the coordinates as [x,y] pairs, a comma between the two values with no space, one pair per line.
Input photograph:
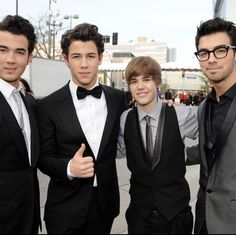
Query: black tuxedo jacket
[61,136]
[19,197]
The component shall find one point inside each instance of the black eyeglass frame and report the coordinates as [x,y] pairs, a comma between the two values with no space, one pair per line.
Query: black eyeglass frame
[227,47]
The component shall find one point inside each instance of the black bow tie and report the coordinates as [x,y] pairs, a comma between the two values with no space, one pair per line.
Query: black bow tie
[95,92]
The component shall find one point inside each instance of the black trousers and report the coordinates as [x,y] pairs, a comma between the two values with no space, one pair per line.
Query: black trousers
[94,223]
[157,224]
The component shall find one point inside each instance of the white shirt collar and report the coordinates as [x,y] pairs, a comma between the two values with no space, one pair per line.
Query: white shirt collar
[7,89]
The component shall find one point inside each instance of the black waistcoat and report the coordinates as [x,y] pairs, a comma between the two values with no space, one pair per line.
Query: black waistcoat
[164,187]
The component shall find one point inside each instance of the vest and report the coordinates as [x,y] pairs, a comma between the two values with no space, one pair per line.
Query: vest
[164,187]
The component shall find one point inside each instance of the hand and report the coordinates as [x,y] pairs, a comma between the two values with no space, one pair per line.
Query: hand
[168,102]
[82,167]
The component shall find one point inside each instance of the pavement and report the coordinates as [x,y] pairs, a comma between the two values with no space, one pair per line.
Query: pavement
[119,225]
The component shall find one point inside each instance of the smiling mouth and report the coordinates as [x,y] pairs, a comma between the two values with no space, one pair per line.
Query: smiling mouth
[142,94]
[10,69]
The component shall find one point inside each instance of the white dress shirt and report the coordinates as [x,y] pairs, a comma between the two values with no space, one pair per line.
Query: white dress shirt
[7,90]
[92,114]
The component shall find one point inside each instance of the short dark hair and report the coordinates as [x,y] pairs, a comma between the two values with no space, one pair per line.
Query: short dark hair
[82,32]
[19,26]
[216,25]
[143,66]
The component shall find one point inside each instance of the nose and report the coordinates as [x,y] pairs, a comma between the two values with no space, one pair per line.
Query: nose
[84,63]
[212,57]
[10,57]
[140,84]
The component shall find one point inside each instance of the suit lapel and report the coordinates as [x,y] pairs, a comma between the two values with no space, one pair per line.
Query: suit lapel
[13,127]
[201,123]
[159,137]
[226,128]
[65,109]
[33,127]
[111,118]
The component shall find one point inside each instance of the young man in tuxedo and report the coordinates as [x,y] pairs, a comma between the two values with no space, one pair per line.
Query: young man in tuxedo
[79,126]
[152,139]
[19,145]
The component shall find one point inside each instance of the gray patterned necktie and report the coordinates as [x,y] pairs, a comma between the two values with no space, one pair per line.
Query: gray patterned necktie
[18,100]
[149,141]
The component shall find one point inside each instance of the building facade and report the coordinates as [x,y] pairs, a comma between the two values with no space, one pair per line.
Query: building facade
[225,9]
[123,52]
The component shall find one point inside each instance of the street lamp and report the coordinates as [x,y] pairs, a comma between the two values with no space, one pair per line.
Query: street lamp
[16,7]
[56,24]
[67,17]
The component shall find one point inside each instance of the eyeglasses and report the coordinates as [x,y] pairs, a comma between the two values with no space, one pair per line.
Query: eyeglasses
[219,52]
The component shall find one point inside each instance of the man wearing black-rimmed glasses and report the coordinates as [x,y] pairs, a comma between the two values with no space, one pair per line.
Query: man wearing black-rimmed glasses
[216,203]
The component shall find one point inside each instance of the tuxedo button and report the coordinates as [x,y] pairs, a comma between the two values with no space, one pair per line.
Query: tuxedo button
[209,190]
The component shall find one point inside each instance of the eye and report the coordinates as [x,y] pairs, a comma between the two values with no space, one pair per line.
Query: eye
[91,56]
[133,81]
[21,53]
[147,79]
[221,50]
[75,56]
[203,54]
[3,50]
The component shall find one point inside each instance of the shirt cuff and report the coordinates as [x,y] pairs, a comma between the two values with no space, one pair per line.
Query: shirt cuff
[69,174]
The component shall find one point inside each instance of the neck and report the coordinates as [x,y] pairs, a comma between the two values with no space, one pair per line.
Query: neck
[148,108]
[222,87]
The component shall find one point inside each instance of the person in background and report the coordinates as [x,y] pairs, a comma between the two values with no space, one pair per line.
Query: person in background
[25,86]
[19,145]
[216,51]
[79,127]
[152,139]
[168,95]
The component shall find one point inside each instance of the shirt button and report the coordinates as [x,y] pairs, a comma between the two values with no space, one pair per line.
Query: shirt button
[209,191]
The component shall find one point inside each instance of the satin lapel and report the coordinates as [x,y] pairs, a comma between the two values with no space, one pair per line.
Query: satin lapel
[111,118]
[159,136]
[29,102]
[201,123]
[66,112]
[13,127]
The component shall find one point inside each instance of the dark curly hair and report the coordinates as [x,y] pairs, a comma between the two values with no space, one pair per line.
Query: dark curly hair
[19,26]
[216,25]
[83,32]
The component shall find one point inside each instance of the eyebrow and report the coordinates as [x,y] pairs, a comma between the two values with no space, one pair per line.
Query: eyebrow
[89,53]
[17,49]
[206,49]
[21,49]
[2,46]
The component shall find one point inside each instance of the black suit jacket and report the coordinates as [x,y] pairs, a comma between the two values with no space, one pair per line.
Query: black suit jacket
[61,136]
[19,197]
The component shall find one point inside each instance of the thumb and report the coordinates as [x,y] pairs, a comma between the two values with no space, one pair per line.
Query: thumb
[81,150]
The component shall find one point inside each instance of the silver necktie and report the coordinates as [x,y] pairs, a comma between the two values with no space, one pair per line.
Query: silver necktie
[18,100]
[149,141]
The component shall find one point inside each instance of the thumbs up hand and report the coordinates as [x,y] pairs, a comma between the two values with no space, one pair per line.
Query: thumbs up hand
[82,167]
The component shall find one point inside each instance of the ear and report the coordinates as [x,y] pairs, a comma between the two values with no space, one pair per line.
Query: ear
[30,58]
[100,59]
[65,58]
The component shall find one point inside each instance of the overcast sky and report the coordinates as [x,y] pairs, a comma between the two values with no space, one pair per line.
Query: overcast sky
[170,21]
